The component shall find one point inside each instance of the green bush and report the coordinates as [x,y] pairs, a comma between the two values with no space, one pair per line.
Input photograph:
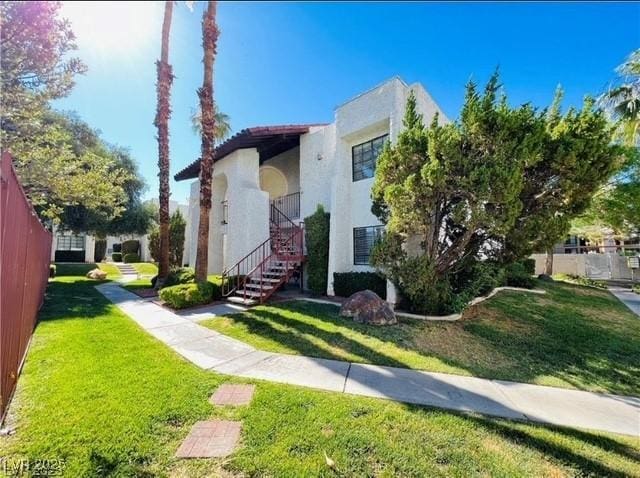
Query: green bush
[316,231]
[348,283]
[130,247]
[100,250]
[636,288]
[516,275]
[179,275]
[182,296]
[573,279]
[130,257]
[116,257]
[154,243]
[529,266]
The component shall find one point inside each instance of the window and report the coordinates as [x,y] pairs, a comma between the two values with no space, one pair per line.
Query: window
[364,157]
[70,243]
[363,240]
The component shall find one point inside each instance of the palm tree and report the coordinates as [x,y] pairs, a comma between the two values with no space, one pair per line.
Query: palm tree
[163,113]
[208,130]
[623,100]
[222,122]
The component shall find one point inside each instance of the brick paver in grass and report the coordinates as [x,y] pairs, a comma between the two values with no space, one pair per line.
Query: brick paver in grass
[210,439]
[232,395]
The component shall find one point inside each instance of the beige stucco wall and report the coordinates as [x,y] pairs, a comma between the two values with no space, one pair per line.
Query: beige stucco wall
[248,221]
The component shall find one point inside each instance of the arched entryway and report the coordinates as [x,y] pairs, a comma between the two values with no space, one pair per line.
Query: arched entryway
[273,181]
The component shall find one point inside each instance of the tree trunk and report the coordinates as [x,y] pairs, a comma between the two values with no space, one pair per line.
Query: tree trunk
[205,93]
[163,113]
[548,263]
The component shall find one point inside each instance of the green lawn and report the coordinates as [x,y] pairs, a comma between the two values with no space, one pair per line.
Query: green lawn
[101,394]
[145,268]
[574,337]
[66,269]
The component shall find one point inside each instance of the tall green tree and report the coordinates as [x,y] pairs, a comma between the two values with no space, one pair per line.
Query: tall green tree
[622,100]
[177,228]
[576,159]
[163,113]
[36,65]
[207,109]
[60,160]
[616,206]
[222,123]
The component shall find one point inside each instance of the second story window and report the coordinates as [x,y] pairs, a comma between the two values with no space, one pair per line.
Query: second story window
[364,157]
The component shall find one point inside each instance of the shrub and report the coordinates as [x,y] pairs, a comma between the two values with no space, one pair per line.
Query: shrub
[154,243]
[117,248]
[636,288]
[52,270]
[130,257]
[116,257]
[516,275]
[182,296]
[177,227]
[100,250]
[529,265]
[348,283]
[130,247]
[317,241]
[180,275]
[585,281]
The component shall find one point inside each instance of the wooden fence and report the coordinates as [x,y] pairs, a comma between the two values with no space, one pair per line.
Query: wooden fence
[25,249]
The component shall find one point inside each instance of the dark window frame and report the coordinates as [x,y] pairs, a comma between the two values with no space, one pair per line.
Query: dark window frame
[65,242]
[359,162]
[376,233]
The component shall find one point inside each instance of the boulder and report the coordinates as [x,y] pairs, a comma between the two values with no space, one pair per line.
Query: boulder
[97,274]
[366,307]
[545,278]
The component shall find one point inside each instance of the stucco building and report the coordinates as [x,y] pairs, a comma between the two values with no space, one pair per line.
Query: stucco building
[295,168]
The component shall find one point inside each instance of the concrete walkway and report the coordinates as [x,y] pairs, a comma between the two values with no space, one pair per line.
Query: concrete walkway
[627,297]
[211,350]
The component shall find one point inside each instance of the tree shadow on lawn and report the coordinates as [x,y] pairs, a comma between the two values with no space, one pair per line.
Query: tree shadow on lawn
[298,339]
[524,435]
[74,299]
[575,336]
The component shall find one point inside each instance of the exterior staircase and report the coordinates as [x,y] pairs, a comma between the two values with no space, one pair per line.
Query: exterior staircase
[270,265]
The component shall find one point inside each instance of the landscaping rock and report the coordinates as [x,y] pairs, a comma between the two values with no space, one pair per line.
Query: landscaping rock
[97,274]
[367,308]
[545,278]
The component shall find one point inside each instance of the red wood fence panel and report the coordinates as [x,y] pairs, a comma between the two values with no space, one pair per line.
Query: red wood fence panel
[25,253]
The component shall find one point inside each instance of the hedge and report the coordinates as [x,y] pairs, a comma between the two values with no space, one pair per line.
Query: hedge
[130,247]
[116,257]
[348,283]
[316,231]
[130,257]
[529,265]
[182,296]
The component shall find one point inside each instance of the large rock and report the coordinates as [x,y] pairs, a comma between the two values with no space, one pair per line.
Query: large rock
[97,274]
[367,308]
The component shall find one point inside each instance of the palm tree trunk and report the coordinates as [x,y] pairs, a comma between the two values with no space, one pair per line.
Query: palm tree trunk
[205,93]
[163,113]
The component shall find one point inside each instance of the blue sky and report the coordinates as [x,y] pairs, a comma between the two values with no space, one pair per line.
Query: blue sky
[292,62]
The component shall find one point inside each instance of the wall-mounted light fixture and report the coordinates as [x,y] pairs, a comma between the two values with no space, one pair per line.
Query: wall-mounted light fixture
[319,157]
[225,212]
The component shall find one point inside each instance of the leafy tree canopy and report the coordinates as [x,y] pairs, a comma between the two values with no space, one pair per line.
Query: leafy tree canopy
[498,183]
[72,176]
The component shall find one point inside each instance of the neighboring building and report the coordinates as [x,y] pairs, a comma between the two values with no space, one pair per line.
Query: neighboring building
[602,258]
[296,168]
[69,247]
